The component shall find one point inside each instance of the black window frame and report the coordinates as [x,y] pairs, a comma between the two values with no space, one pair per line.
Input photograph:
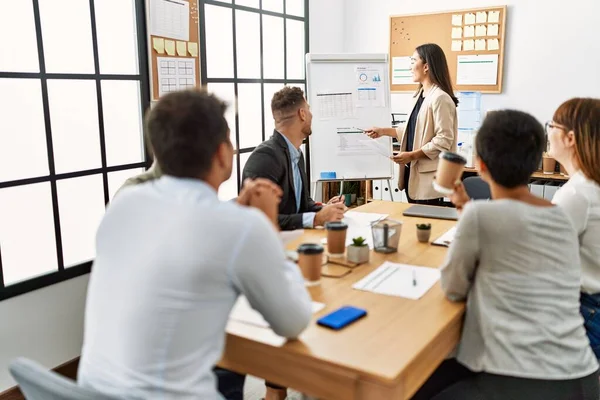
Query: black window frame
[63,274]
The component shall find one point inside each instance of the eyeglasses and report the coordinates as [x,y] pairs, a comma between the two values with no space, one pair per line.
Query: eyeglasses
[551,125]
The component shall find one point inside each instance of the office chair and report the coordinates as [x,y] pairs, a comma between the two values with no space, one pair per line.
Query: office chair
[477,189]
[38,383]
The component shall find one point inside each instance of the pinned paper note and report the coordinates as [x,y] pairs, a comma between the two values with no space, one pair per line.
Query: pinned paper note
[159,45]
[481,17]
[193,49]
[469,19]
[456,45]
[480,44]
[456,33]
[469,31]
[492,44]
[170,47]
[469,45]
[480,30]
[494,16]
[181,49]
[457,20]
[492,30]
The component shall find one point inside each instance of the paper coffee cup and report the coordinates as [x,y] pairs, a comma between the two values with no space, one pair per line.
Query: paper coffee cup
[449,170]
[310,260]
[336,238]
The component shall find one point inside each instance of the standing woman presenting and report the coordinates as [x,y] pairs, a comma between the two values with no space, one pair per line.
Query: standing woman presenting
[431,128]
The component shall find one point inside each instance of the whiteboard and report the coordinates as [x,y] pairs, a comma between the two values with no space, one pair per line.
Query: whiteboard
[347,93]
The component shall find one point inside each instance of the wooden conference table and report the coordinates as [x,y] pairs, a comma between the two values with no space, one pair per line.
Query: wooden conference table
[386,355]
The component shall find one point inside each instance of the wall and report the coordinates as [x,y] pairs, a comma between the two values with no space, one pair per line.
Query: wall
[45,325]
[552,50]
[326,20]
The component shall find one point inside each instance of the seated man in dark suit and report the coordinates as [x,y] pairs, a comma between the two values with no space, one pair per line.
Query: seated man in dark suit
[280,160]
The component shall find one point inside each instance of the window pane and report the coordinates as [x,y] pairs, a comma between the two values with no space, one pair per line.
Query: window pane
[67,34]
[243,158]
[117,36]
[117,179]
[273,57]
[247,35]
[81,207]
[249,113]
[270,90]
[295,49]
[226,92]
[248,3]
[219,42]
[19,44]
[74,118]
[27,232]
[273,5]
[228,190]
[122,122]
[23,152]
[294,7]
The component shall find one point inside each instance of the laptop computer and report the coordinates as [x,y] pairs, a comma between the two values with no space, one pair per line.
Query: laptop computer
[431,212]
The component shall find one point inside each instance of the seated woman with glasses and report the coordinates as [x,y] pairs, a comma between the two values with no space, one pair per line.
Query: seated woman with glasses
[574,136]
[515,260]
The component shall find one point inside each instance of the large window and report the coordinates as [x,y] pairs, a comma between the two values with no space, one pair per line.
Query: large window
[73,88]
[249,50]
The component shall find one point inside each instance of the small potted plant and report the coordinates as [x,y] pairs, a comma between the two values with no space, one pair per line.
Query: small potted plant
[358,251]
[423,232]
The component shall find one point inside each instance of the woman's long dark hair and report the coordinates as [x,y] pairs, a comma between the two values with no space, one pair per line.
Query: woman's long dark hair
[434,57]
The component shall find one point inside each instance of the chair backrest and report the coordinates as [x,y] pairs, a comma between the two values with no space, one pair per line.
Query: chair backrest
[37,383]
[477,189]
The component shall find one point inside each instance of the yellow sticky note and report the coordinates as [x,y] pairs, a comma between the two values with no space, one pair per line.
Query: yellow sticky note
[193,49]
[480,30]
[469,45]
[181,49]
[480,44]
[457,19]
[493,44]
[494,16]
[469,31]
[456,33]
[159,45]
[456,45]
[481,17]
[469,19]
[170,47]
[492,30]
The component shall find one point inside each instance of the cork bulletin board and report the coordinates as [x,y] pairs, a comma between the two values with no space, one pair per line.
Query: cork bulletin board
[174,46]
[473,41]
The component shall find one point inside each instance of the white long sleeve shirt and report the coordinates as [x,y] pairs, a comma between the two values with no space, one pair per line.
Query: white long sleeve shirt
[171,262]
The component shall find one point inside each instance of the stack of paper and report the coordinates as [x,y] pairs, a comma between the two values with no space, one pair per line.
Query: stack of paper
[446,239]
[359,224]
[402,280]
[243,312]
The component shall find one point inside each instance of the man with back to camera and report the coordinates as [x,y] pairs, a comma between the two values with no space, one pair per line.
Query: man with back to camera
[172,259]
[280,160]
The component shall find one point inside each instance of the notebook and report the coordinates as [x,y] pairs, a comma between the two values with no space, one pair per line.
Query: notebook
[431,212]
[446,239]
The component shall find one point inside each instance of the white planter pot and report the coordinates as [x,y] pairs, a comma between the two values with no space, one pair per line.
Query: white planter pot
[358,254]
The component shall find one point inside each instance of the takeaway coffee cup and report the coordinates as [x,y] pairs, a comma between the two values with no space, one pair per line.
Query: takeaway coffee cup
[449,170]
[336,238]
[310,260]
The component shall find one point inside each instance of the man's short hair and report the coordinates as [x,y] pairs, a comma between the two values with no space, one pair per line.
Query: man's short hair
[185,129]
[287,101]
[510,143]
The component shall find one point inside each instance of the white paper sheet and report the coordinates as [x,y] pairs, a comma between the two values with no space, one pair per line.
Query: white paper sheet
[175,74]
[456,45]
[492,44]
[243,312]
[494,16]
[477,70]
[492,30]
[446,239]
[359,224]
[457,19]
[469,19]
[481,17]
[408,281]
[469,31]
[480,44]
[351,143]
[289,236]
[456,33]
[469,45]
[170,19]
[335,105]
[401,72]
[480,30]
[381,147]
